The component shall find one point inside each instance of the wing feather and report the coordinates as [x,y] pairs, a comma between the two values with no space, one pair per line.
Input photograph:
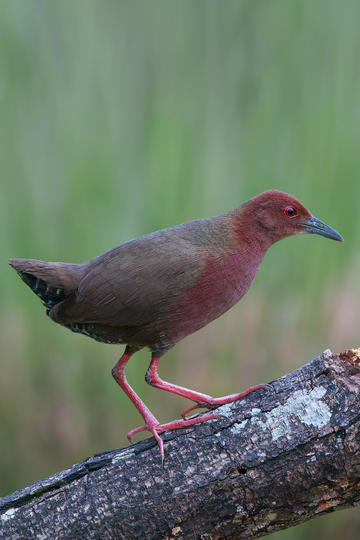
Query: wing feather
[134,283]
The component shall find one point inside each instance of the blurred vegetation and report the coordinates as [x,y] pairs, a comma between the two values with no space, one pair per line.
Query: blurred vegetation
[119,118]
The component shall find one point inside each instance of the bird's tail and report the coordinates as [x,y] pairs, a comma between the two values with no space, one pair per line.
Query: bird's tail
[52,282]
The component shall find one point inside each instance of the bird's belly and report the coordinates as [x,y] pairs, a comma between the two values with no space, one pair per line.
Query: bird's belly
[191,313]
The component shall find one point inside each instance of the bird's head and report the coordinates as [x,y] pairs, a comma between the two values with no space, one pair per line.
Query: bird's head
[279,215]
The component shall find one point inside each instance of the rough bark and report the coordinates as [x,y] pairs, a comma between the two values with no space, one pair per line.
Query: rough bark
[279,457]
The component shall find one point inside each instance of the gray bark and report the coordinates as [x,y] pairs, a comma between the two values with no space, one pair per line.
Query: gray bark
[279,457]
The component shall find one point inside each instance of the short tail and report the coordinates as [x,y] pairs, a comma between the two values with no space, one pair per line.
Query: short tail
[51,282]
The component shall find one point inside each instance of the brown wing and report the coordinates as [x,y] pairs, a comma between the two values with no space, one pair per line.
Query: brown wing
[134,283]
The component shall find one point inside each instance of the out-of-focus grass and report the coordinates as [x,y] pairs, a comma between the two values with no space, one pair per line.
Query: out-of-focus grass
[118,118]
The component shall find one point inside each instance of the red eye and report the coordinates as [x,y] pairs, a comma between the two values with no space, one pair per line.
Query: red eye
[290,212]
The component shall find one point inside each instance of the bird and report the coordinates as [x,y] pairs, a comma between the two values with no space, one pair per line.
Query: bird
[155,290]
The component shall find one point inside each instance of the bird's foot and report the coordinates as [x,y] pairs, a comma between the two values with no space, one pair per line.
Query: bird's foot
[156,428]
[216,402]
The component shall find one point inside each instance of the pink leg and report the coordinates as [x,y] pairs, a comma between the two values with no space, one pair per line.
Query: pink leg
[202,400]
[151,423]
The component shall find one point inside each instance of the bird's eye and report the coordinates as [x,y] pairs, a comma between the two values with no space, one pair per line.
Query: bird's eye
[290,212]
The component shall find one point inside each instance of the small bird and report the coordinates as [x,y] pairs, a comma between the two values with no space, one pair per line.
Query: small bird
[157,289]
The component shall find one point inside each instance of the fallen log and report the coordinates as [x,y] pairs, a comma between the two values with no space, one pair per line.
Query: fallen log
[279,457]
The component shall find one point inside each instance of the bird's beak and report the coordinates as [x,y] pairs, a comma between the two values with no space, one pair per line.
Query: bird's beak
[314,225]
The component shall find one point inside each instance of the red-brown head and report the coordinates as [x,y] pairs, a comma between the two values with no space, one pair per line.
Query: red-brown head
[278,215]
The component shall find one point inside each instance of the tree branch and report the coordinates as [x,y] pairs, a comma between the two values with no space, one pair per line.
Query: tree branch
[279,457]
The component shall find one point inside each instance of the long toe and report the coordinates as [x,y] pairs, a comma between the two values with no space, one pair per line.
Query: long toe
[160,443]
[136,430]
[156,429]
[180,424]
[192,408]
[216,402]
[235,397]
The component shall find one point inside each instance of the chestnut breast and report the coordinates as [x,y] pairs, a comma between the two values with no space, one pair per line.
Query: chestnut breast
[223,281]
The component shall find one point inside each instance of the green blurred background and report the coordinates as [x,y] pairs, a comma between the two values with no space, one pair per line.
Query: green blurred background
[119,118]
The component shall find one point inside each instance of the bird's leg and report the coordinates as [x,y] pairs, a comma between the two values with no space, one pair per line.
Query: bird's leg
[201,400]
[151,423]
[118,372]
